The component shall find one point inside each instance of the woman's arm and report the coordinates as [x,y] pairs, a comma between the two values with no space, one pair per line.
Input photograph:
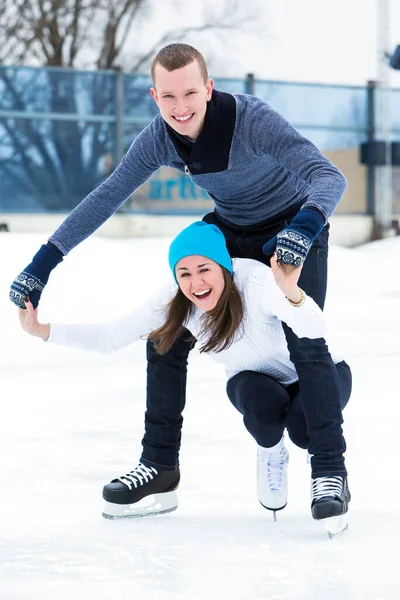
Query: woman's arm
[275,292]
[102,337]
[30,324]
[286,278]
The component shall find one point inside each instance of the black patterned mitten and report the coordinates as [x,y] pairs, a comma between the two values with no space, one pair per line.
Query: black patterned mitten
[30,283]
[293,243]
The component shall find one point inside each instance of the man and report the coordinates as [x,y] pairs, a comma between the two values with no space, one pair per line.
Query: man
[273,191]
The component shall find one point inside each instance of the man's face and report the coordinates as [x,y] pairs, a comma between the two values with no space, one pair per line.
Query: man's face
[182,97]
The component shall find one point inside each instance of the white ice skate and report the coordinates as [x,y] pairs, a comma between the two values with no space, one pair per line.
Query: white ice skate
[272,468]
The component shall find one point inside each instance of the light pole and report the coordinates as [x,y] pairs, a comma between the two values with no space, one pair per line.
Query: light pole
[383,180]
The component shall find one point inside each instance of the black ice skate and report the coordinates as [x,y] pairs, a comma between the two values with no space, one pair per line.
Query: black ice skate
[330,497]
[143,492]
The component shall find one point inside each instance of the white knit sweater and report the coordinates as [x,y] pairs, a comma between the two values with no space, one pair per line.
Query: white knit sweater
[261,345]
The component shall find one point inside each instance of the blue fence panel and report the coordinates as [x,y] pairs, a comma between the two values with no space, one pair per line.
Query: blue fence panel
[138,103]
[57,136]
[233,86]
[316,105]
[326,138]
[395,114]
[63,131]
[57,91]
[50,165]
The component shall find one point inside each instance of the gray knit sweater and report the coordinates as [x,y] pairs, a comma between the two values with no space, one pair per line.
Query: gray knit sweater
[248,158]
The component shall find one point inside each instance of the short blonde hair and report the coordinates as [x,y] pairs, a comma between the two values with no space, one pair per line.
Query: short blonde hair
[176,56]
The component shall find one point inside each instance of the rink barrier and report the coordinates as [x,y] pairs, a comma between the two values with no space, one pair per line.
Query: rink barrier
[346,230]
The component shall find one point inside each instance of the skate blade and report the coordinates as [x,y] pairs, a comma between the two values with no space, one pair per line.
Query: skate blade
[335,526]
[156,504]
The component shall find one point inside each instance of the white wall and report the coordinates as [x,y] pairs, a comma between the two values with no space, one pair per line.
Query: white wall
[346,230]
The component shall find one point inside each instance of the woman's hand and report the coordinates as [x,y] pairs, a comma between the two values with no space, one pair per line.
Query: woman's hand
[286,277]
[30,324]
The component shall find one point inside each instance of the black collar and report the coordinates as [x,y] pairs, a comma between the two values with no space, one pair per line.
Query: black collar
[210,152]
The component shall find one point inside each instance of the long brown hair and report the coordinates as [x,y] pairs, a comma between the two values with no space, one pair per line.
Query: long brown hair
[220,324]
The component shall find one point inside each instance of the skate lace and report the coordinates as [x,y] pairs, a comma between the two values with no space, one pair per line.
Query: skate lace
[138,477]
[275,464]
[326,486]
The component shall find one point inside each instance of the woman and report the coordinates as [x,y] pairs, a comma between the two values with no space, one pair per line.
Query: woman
[235,312]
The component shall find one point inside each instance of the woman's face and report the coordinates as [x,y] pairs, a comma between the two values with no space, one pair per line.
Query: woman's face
[201,280]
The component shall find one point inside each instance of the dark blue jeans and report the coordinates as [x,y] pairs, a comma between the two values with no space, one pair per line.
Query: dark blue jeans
[268,407]
[318,378]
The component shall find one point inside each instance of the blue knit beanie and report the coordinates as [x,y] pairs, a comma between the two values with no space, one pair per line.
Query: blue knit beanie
[202,239]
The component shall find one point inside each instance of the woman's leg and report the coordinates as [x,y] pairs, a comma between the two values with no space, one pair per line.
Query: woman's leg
[263,402]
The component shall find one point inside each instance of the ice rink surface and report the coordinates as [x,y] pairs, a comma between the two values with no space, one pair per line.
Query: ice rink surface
[71,421]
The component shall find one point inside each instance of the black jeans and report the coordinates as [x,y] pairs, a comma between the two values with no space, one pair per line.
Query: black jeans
[318,378]
[268,407]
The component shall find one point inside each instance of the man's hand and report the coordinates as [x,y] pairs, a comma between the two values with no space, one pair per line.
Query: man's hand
[30,283]
[30,324]
[293,243]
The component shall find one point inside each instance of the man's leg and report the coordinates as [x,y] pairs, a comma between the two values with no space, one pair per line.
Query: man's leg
[166,396]
[157,475]
[295,421]
[317,374]
[318,377]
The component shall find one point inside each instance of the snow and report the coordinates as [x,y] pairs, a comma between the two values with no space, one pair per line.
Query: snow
[71,421]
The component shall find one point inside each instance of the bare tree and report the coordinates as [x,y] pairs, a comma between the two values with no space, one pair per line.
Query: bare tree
[56,161]
[94,33]
[57,32]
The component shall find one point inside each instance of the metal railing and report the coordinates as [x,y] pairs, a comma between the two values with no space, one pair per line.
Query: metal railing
[63,131]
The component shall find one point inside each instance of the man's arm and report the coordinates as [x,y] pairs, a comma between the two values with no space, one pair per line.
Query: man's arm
[137,166]
[272,134]
[139,163]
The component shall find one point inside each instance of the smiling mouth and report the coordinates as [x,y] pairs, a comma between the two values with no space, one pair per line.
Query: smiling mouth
[202,295]
[183,119]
